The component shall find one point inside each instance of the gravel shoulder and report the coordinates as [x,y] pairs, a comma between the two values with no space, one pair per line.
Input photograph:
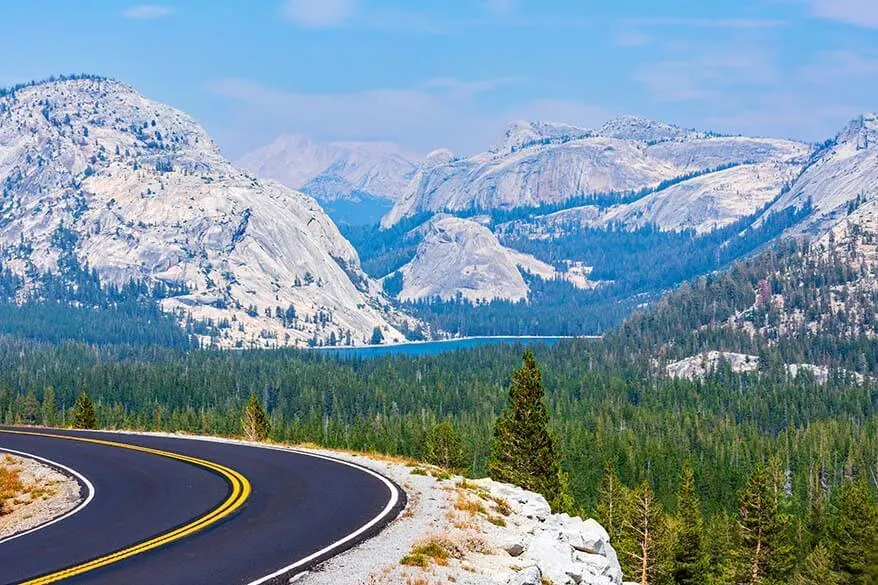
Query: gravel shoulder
[47,494]
[469,532]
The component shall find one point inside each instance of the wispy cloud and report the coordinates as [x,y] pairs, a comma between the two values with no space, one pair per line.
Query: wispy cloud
[721,23]
[319,13]
[632,38]
[147,11]
[707,75]
[831,68]
[862,13]
[467,89]
[434,113]
[500,6]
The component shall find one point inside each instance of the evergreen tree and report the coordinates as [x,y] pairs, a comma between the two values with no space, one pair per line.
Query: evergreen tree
[49,407]
[764,555]
[442,447]
[689,555]
[255,422]
[377,336]
[644,542]
[523,451]
[613,502]
[29,411]
[84,413]
[854,534]
[816,569]
[815,521]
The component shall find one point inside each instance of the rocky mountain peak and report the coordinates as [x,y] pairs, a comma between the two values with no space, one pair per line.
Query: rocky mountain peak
[643,129]
[522,134]
[149,197]
[861,131]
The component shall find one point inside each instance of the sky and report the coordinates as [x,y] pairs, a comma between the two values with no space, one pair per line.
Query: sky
[429,74]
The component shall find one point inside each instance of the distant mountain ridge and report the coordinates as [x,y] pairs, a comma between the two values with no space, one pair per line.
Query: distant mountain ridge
[334,170]
[541,163]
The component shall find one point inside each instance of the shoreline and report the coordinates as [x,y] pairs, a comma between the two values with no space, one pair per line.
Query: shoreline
[511,338]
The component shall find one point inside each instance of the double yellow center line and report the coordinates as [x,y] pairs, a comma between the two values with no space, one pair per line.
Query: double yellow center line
[240,492]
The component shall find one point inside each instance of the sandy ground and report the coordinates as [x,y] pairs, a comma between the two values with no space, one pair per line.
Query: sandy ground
[47,494]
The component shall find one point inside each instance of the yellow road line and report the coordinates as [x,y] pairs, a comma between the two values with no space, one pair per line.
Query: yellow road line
[240,492]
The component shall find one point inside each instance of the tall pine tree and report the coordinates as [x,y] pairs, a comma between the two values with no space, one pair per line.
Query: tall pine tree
[690,561]
[765,554]
[854,534]
[613,502]
[644,542]
[523,451]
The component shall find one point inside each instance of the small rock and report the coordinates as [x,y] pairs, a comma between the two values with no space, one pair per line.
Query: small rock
[527,576]
[599,564]
[512,545]
[590,537]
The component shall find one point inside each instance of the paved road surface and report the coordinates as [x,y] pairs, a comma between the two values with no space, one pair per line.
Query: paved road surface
[200,520]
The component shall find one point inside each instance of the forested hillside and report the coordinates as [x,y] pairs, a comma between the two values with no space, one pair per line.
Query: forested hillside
[633,267]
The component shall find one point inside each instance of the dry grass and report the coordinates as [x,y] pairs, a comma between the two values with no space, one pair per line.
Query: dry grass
[14,492]
[438,549]
[465,504]
[11,486]
[408,461]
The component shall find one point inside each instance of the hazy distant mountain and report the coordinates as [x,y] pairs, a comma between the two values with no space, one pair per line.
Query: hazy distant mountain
[329,171]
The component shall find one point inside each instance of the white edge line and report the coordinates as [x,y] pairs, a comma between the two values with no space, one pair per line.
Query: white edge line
[394,491]
[79,476]
[394,498]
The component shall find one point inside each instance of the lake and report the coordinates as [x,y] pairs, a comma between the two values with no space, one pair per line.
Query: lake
[432,347]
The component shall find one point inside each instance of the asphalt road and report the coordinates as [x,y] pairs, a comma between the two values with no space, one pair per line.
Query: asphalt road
[302,509]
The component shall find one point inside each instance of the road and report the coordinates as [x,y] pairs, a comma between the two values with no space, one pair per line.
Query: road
[184,511]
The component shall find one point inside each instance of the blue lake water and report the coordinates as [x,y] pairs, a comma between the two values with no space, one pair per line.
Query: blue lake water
[432,347]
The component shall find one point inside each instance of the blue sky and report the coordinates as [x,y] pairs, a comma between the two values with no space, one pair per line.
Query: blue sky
[451,74]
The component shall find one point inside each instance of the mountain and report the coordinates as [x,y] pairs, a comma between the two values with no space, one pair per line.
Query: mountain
[541,163]
[461,257]
[335,170]
[702,203]
[95,172]
[840,176]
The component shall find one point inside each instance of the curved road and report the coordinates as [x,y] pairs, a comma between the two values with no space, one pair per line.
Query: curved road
[204,512]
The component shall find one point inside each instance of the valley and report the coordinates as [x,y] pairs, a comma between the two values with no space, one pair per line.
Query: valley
[700,306]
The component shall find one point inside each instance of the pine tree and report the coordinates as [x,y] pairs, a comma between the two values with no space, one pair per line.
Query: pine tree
[816,569]
[645,537]
[854,534]
[690,560]
[255,421]
[84,413]
[523,451]
[765,554]
[442,447]
[613,499]
[49,408]
[815,521]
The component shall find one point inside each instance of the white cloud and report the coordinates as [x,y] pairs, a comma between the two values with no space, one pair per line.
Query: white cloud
[857,12]
[147,12]
[319,13]
[443,112]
